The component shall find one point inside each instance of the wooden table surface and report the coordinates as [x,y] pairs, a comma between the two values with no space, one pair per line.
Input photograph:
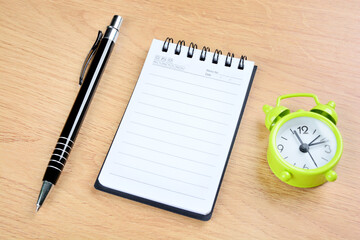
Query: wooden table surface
[299,46]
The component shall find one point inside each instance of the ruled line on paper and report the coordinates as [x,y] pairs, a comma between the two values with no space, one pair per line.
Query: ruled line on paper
[216,79]
[237,78]
[179,123]
[159,175]
[157,186]
[189,115]
[191,94]
[170,143]
[160,129]
[189,104]
[169,154]
[162,164]
[193,84]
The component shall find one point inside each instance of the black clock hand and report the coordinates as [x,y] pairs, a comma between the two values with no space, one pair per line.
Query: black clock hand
[312,159]
[297,135]
[314,140]
[312,144]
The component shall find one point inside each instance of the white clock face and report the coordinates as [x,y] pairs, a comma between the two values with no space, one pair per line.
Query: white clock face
[306,142]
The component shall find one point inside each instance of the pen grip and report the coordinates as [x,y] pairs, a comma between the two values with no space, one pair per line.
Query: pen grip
[58,159]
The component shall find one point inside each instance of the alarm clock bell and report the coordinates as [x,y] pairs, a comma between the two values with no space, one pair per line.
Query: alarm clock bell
[273,114]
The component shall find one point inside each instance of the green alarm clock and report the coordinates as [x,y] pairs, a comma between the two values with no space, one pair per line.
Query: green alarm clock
[304,146]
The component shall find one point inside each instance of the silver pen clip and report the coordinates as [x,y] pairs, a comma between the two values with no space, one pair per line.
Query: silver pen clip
[90,56]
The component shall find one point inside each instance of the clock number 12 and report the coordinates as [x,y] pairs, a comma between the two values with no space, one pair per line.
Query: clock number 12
[303,129]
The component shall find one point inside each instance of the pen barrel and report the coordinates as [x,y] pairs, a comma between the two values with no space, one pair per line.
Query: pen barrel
[87,90]
[78,112]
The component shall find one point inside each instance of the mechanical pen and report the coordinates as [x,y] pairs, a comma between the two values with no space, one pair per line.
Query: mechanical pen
[99,54]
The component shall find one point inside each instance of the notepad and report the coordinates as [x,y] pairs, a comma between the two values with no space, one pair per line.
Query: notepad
[175,138]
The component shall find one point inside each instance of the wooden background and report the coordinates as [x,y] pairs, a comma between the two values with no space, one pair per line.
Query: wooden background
[299,46]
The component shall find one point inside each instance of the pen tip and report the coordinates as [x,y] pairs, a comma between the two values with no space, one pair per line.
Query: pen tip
[45,189]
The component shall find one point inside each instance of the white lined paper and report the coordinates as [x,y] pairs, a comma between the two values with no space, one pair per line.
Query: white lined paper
[173,141]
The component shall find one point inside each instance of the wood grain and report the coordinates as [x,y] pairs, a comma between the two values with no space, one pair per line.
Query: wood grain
[299,46]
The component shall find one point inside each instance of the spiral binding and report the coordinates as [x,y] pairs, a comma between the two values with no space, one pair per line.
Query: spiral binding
[204,51]
[167,43]
[178,46]
[228,60]
[241,62]
[216,56]
[193,47]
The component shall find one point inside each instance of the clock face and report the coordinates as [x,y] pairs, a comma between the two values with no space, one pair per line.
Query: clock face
[306,142]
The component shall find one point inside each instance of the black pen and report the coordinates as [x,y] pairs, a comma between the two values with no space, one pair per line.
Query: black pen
[100,53]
